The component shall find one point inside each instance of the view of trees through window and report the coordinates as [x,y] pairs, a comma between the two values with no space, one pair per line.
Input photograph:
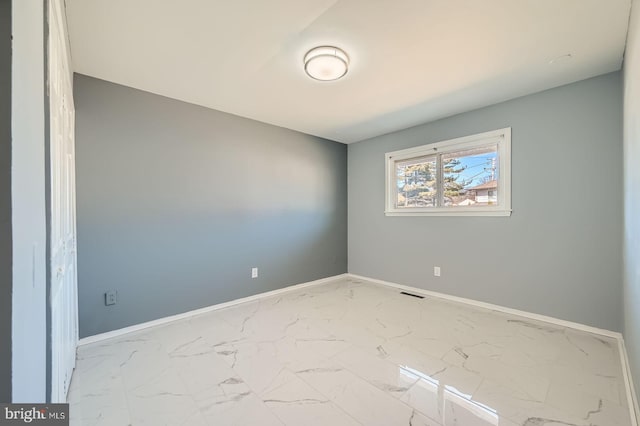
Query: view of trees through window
[469,178]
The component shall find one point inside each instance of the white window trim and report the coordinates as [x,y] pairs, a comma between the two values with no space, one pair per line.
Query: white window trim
[501,136]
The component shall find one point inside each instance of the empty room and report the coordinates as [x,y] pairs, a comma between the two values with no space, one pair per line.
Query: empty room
[320,212]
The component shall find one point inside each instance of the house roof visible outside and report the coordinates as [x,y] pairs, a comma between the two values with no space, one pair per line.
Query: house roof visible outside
[492,184]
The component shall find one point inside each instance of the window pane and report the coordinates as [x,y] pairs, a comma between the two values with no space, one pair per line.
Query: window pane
[467,176]
[416,182]
[471,177]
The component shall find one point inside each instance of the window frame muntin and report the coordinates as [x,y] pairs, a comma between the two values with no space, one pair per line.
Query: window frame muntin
[503,139]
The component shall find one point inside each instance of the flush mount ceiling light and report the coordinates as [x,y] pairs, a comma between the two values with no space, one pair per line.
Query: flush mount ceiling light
[326,63]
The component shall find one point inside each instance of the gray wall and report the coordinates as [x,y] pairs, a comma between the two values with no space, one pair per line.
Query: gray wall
[29,319]
[177,202]
[632,193]
[5,201]
[558,254]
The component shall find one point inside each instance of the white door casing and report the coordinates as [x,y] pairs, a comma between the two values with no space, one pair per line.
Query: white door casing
[63,293]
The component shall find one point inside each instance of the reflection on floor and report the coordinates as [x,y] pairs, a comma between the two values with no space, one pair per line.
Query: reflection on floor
[351,353]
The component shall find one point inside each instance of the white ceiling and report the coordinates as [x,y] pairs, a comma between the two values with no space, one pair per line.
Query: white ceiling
[412,61]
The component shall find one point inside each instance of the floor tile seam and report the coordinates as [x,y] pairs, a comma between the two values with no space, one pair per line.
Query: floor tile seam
[564,411]
[468,303]
[543,403]
[513,418]
[368,380]
[126,396]
[120,379]
[428,416]
[260,395]
[253,390]
[523,316]
[439,422]
[601,397]
[197,402]
[333,401]
[386,393]
[268,407]
[208,310]
[318,323]
[365,349]
[246,319]
[171,368]
[374,385]
[186,385]
[269,389]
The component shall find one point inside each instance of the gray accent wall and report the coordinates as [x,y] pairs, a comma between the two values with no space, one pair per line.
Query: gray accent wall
[176,203]
[558,254]
[632,194]
[5,201]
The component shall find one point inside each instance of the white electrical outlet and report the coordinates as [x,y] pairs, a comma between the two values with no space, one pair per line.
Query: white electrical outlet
[436,271]
[254,272]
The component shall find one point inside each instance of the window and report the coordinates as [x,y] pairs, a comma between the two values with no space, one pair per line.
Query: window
[469,176]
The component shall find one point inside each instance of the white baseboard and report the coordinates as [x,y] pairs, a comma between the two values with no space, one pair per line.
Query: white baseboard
[126,330]
[628,380]
[624,359]
[631,395]
[492,307]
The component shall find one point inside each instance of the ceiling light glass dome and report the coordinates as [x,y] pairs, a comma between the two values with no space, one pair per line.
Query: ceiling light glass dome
[326,63]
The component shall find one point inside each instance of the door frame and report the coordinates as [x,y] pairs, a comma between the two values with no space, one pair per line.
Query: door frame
[62,336]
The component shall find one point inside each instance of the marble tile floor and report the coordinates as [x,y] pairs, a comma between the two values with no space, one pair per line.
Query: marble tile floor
[351,353]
